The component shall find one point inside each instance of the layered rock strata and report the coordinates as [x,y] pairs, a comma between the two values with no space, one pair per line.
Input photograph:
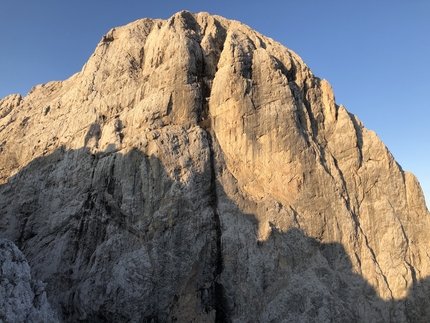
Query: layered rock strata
[197,171]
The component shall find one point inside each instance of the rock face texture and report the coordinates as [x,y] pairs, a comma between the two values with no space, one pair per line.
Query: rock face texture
[22,299]
[197,171]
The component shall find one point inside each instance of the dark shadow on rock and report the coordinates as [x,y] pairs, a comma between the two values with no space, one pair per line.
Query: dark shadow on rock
[118,238]
[95,133]
[115,238]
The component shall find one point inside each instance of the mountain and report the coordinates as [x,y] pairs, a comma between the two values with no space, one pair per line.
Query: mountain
[197,171]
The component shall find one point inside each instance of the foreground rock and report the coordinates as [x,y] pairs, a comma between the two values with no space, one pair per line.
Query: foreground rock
[22,299]
[197,171]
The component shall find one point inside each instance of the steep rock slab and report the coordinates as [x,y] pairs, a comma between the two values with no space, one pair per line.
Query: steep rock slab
[285,140]
[124,232]
[195,170]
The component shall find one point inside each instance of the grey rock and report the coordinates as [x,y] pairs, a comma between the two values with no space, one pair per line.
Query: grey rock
[22,298]
[197,171]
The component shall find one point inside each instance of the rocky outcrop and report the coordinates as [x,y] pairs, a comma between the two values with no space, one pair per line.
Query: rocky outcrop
[22,299]
[197,171]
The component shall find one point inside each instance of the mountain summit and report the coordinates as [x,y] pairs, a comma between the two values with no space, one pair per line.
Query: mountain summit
[197,171]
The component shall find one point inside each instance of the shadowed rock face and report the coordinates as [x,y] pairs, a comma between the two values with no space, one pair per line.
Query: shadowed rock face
[195,170]
[22,299]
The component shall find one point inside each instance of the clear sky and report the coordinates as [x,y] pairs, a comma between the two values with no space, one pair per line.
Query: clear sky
[375,53]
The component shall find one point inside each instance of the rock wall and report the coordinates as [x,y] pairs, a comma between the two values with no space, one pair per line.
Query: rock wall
[22,298]
[197,171]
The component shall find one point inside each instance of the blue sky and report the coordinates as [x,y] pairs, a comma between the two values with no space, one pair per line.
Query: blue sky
[375,54]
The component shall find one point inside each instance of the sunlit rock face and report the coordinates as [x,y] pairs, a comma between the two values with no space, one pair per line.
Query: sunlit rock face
[197,171]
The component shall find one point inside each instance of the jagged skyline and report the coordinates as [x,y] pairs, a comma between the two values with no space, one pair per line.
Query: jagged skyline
[374,55]
[196,170]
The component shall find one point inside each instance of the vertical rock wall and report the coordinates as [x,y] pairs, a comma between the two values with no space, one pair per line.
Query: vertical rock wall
[195,170]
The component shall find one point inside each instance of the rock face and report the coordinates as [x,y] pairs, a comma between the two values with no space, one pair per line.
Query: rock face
[197,171]
[22,299]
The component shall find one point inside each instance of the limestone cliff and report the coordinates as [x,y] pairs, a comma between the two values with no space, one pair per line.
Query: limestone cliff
[197,171]
[22,299]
